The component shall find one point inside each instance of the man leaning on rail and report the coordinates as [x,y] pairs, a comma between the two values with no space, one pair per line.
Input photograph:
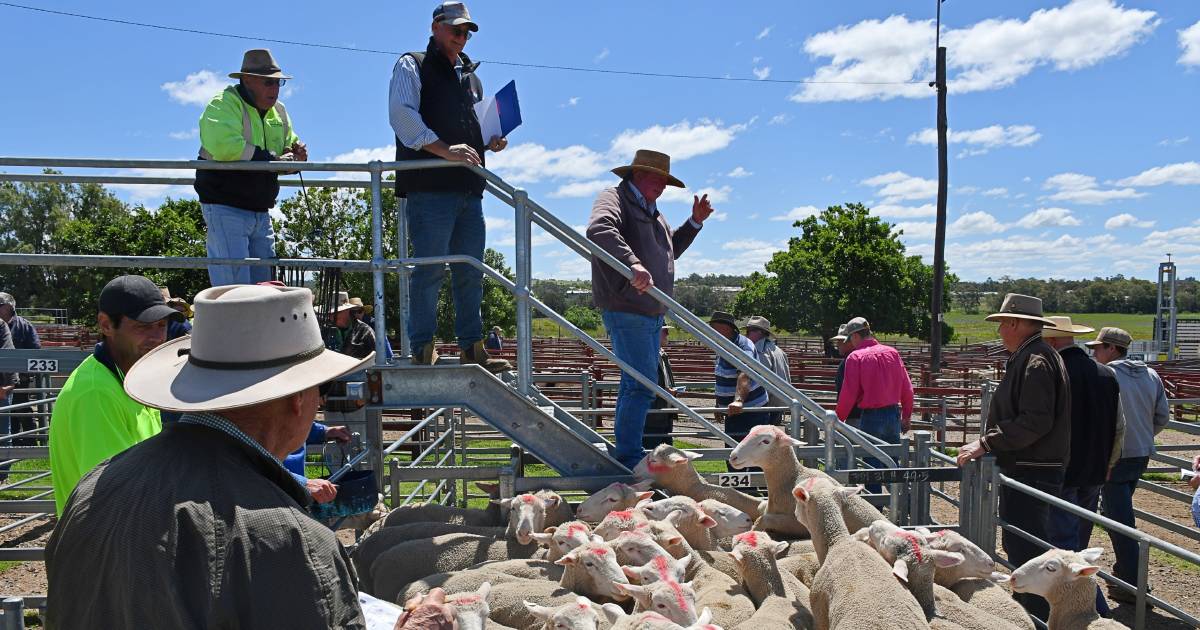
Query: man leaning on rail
[432,110]
[1147,412]
[626,223]
[245,122]
[1028,429]
[202,526]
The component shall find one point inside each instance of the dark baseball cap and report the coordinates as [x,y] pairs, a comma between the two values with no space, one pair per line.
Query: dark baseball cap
[136,297]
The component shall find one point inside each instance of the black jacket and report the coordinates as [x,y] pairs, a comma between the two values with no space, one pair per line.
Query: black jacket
[1095,401]
[448,109]
[1029,419]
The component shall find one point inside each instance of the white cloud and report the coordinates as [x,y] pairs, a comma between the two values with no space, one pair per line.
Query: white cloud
[738,173]
[900,186]
[684,195]
[190,134]
[1126,220]
[905,212]
[976,223]
[151,194]
[766,32]
[995,192]
[982,140]
[779,119]
[1181,174]
[573,101]
[587,188]
[1077,188]
[1048,217]
[1189,41]
[681,141]
[895,53]
[197,88]
[797,214]
[601,56]
[966,190]
[917,230]
[745,244]
[1174,142]
[762,73]
[359,156]
[529,162]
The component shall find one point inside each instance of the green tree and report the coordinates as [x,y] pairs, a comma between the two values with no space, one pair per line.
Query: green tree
[499,307]
[584,317]
[845,263]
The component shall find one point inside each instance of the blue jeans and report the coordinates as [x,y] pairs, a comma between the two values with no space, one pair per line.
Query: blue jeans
[1118,505]
[1067,531]
[635,341]
[237,233]
[883,423]
[441,224]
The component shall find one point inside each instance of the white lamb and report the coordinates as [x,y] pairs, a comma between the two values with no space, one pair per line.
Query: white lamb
[619,521]
[854,589]
[685,514]
[912,560]
[412,560]
[563,538]
[668,598]
[652,620]
[672,470]
[616,496]
[660,568]
[592,566]
[976,580]
[1064,578]
[471,608]
[782,599]
[578,615]
[772,450]
[730,520]
[433,513]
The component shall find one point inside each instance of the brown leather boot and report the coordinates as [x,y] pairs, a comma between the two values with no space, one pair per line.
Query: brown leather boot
[425,355]
[477,355]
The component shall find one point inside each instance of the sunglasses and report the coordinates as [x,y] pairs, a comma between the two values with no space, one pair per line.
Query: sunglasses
[274,82]
[463,31]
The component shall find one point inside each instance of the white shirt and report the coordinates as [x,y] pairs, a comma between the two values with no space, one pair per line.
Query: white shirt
[404,102]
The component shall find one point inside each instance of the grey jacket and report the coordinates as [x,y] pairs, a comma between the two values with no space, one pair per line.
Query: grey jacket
[1145,403]
[6,343]
[773,357]
[624,229]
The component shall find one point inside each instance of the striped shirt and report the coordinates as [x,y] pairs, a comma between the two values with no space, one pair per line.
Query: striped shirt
[727,376]
[404,103]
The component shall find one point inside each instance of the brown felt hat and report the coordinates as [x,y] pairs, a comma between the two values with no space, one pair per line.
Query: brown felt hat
[258,62]
[1020,307]
[650,161]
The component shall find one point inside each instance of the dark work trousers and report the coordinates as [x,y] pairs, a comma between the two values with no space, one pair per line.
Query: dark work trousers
[1031,516]
[1117,504]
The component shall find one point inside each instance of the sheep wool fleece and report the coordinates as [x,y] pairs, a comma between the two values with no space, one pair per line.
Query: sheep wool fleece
[195,528]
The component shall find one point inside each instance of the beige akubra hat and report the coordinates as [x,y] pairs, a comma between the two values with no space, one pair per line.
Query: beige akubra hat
[1064,327]
[249,344]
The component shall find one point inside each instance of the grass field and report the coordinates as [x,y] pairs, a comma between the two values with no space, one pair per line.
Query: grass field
[968,328]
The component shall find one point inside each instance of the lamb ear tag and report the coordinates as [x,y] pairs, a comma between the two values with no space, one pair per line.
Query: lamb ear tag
[692,455]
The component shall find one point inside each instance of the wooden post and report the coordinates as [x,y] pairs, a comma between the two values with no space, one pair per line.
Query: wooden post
[939,243]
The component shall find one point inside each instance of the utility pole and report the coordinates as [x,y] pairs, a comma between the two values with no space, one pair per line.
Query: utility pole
[939,243]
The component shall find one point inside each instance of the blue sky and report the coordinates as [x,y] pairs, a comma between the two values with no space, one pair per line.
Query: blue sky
[1074,128]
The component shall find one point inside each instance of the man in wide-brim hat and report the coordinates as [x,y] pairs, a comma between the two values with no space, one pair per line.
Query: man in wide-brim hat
[627,224]
[248,381]
[735,390]
[758,331]
[1028,427]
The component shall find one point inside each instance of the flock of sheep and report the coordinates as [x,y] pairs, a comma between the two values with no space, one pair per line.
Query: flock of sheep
[811,555]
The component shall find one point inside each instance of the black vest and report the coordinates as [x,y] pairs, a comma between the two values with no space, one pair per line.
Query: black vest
[1094,399]
[448,109]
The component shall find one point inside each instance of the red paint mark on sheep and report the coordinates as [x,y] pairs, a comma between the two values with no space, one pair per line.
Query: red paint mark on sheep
[655,467]
[660,566]
[576,529]
[527,498]
[620,514]
[679,598]
[914,542]
[750,538]
[600,551]
[467,599]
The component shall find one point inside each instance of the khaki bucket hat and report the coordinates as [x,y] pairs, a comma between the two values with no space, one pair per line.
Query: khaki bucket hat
[650,161]
[249,344]
[1064,327]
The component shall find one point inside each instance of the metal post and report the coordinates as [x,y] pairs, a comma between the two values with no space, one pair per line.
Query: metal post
[967,489]
[524,271]
[939,241]
[831,421]
[402,252]
[377,260]
[920,505]
[900,497]
[374,430]
[989,485]
[1139,619]
[14,613]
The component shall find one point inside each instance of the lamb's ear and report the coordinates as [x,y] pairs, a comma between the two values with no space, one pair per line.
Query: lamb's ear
[900,570]
[541,612]
[643,496]
[613,613]
[599,540]
[862,535]
[674,517]
[998,577]
[634,576]
[505,504]
[551,500]
[543,539]
[674,541]
[1083,570]
[569,559]
[778,549]
[794,441]
[705,617]
[678,458]
[801,493]
[644,501]
[682,563]
[736,554]
[707,521]
[642,486]
[639,593]
[849,491]
[692,455]
[946,559]
[1092,554]
[484,590]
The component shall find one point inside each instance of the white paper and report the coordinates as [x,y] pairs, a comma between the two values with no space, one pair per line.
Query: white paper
[489,119]
[380,615]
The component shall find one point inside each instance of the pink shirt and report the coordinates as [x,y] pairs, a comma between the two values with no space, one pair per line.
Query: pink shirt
[875,377]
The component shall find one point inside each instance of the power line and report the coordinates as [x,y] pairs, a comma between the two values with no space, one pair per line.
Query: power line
[393,53]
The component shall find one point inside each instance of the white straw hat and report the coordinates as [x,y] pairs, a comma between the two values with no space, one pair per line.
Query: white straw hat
[249,344]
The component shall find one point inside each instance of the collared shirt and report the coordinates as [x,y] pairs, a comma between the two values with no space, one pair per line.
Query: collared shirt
[875,378]
[224,425]
[24,335]
[772,356]
[651,207]
[404,103]
[727,377]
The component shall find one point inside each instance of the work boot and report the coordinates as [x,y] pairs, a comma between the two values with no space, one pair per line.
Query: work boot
[477,355]
[425,355]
